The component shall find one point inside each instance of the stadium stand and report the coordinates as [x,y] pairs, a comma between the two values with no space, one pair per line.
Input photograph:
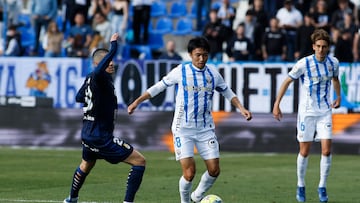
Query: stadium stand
[158,9]
[178,9]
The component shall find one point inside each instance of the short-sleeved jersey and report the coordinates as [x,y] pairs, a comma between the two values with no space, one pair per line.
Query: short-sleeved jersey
[315,78]
[100,102]
[195,90]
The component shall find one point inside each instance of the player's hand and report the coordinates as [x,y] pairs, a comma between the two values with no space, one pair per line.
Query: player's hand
[277,113]
[114,37]
[247,114]
[336,103]
[131,108]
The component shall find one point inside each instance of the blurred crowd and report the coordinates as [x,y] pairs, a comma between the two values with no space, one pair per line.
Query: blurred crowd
[266,30]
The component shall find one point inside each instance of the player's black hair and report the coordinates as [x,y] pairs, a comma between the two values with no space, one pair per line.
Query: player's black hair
[198,42]
[99,54]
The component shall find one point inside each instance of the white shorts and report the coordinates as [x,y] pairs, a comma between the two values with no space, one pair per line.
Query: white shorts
[206,144]
[314,128]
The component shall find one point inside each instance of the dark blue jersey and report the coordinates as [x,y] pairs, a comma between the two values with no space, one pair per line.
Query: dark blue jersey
[100,102]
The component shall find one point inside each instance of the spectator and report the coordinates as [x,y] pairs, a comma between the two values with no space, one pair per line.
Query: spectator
[322,18]
[119,22]
[344,47]
[356,46]
[249,24]
[337,17]
[13,42]
[227,14]
[274,43]
[80,37]
[200,6]
[261,22]
[290,19]
[170,52]
[303,43]
[14,9]
[99,6]
[213,32]
[53,39]
[42,11]
[239,47]
[141,19]
[102,29]
[348,24]
[72,7]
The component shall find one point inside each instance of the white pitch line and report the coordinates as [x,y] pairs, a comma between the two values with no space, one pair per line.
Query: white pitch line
[39,201]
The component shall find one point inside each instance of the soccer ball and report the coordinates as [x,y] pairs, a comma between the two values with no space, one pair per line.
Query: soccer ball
[211,199]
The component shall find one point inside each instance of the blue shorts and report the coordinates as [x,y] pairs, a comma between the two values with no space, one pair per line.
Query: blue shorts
[113,151]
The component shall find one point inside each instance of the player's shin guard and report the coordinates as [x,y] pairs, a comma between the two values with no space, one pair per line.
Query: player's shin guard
[133,183]
[184,189]
[205,184]
[78,180]
[325,164]
[302,163]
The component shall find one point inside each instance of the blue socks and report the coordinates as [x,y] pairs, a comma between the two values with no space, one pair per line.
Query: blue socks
[133,183]
[78,180]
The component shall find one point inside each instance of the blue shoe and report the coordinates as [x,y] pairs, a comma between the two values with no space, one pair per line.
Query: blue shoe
[71,200]
[300,194]
[322,194]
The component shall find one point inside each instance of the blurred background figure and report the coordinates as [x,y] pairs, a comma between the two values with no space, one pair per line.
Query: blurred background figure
[13,42]
[102,32]
[321,16]
[53,40]
[214,33]
[303,43]
[99,6]
[261,22]
[141,20]
[71,8]
[170,52]
[227,14]
[80,37]
[42,11]
[290,19]
[119,22]
[274,43]
[239,47]
[202,6]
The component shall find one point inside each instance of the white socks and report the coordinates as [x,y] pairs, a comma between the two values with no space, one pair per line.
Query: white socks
[325,164]
[184,189]
[302,163]
[205,183]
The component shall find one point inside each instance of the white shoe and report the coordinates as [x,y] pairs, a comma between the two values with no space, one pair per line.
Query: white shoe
[195,198]
[71,200]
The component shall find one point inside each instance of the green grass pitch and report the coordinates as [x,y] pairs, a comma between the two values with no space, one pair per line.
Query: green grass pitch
[44,175]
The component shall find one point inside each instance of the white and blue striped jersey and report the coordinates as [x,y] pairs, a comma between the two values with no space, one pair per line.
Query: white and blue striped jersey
[315,78]
[195,90]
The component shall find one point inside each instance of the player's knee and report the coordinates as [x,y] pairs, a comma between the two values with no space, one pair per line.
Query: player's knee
[189,174]
[215,172]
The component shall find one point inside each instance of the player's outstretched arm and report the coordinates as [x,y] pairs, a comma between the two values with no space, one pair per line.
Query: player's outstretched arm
[276,109]
[139,100]
[246,113]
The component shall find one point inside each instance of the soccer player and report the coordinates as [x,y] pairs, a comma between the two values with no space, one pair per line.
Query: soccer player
[314,123]
[193,124]
[100,105]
